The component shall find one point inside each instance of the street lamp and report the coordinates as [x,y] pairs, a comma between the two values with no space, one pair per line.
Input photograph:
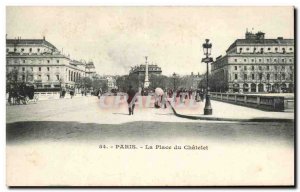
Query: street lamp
[207,51]
[174,78]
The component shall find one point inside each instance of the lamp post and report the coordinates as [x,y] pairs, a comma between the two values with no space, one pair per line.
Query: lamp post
[207,52]
[174,78]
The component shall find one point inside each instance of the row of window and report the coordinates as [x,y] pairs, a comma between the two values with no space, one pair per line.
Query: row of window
[275,60]
[39,68]
[39,77]
[23,49]
[267,49]
[281,76]
[266,68]
[16,61]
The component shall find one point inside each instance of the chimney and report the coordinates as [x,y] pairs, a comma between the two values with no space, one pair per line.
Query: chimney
[192,73]
[280,38]
[44,38]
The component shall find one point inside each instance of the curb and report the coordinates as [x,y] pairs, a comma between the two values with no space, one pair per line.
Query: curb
[229,119]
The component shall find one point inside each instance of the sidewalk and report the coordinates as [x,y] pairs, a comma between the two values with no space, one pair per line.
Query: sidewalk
[228,112]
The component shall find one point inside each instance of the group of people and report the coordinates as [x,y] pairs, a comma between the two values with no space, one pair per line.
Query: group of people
[185,94]
[18,91]
[160,99]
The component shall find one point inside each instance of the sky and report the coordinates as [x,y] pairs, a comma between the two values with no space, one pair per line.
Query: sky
[117,38]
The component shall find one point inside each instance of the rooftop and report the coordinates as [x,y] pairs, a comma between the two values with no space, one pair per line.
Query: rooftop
[259,39]
[30,42]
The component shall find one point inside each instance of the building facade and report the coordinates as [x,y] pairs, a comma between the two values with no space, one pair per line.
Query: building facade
[90,69]
[139,73]
[256,64]
[39,62]
[153,69]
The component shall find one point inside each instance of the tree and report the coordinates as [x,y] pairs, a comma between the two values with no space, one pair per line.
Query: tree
[158,81]
[84,82]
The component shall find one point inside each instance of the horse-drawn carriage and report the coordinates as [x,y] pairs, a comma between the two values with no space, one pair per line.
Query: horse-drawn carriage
[21,94]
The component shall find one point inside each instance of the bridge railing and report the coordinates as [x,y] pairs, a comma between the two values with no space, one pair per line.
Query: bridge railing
[270,103]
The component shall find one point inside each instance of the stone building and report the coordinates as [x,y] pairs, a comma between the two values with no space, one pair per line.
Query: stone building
[39,62]
[90,69]
[257,64]
[141,70]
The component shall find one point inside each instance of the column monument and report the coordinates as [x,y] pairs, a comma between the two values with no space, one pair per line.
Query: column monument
[146,83]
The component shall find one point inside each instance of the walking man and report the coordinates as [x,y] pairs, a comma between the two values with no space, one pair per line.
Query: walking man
[131,100]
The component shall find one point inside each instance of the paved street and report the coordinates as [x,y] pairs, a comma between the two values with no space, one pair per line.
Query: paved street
[60,140]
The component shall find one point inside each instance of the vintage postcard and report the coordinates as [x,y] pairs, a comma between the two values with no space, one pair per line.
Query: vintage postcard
[150,96]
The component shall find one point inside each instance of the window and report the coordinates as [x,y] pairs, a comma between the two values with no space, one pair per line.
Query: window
[48,68]
[275,67]
[247,48]
[57,77]
[260,76]
[269,48]
[57,61]
[23,77]
[268,60]
[276,49]
[40,69]
[291,76]
[22,49]
[268,76]
[245,60]
[30,50]
[282,60]
[48,77]
[31,68]
[241,49]
[48,61]
[276,76]
[261,50]
[245,76]
[283,76]
[7,50]
[291,67]
[275,60]
[259,60]
[38,49]
[253,76]
[235,76]
[235,60]
[283,50]
[23,68]
[259,67]
[283,67]
[252,60]
[235,67]
[268,67]
[15,49]
[24,61]
[252,68]
[290,60]
[245,68]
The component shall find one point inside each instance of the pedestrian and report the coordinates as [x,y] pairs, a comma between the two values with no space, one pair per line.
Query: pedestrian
[72,94]
[99,94]
[131,100]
